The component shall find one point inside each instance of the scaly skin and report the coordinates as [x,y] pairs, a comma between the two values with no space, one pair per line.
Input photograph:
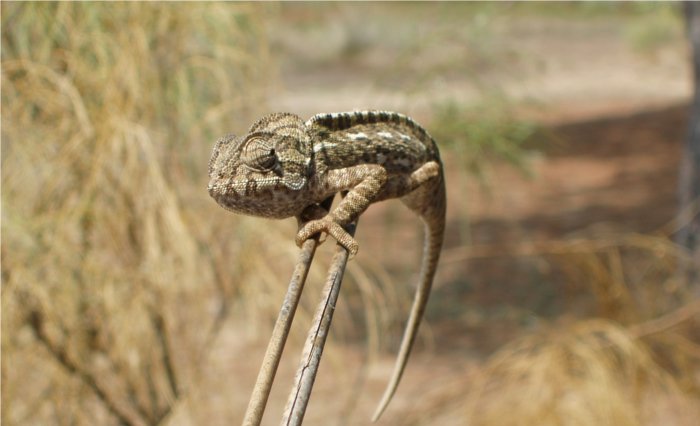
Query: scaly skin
[284,166]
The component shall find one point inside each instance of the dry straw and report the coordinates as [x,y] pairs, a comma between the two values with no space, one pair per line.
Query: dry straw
[636,367]
[116,278]
[585,373]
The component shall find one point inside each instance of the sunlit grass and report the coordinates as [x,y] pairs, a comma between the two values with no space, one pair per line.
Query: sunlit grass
[114,258]
[586,373]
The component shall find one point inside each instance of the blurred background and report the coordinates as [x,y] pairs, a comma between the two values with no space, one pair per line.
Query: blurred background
[564,296]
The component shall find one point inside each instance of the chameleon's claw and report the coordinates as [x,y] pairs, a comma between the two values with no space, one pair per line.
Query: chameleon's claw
[331,228]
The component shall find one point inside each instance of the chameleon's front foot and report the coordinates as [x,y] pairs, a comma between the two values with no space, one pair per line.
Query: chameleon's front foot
[330,227]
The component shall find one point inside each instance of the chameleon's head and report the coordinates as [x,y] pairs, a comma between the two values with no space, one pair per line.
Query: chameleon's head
[264,172]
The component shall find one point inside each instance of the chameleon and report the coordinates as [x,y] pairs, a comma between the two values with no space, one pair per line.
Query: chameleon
[286,167]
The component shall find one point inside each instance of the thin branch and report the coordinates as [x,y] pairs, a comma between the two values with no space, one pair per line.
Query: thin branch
[263,384]
[313,349]
[273,354]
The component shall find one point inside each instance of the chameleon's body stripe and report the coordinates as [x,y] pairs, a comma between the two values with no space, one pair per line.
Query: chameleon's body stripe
[345,120]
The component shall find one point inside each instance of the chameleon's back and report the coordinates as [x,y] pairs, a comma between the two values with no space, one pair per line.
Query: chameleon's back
[389,139]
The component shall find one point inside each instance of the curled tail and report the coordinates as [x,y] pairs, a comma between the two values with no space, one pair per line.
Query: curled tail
[429,202]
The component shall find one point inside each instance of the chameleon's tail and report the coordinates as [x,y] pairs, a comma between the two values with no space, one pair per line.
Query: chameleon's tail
[433,215]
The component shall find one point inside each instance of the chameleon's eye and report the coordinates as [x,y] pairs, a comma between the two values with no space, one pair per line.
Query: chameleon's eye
[259,154]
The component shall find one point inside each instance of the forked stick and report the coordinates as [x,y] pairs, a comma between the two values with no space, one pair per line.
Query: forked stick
[316,340]
[263,384]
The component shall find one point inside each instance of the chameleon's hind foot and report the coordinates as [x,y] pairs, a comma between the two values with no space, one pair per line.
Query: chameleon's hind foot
[331,228]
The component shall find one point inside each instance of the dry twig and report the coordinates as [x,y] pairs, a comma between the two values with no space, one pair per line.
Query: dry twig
[263,384]
[316,340]
[313,349]
[273,354]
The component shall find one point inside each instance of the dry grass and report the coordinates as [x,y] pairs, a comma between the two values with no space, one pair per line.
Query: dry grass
[586,373]
[631,277]
[635,364]
[590,373]
[117,271]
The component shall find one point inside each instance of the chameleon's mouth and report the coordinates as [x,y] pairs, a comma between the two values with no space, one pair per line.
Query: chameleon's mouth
[223,195]
[217,189]
[222,189]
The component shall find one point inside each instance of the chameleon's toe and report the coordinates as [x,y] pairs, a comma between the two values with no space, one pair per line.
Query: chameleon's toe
[344,239]
[310,229]
[330,227]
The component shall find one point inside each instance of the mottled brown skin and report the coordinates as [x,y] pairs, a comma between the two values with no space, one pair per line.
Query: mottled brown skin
[285,167]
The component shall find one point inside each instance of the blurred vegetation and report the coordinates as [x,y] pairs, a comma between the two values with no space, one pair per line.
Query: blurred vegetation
[652,32]
[481,135]
[485,133]
[590,372]
[582,9]
[115,279]
[647,26]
